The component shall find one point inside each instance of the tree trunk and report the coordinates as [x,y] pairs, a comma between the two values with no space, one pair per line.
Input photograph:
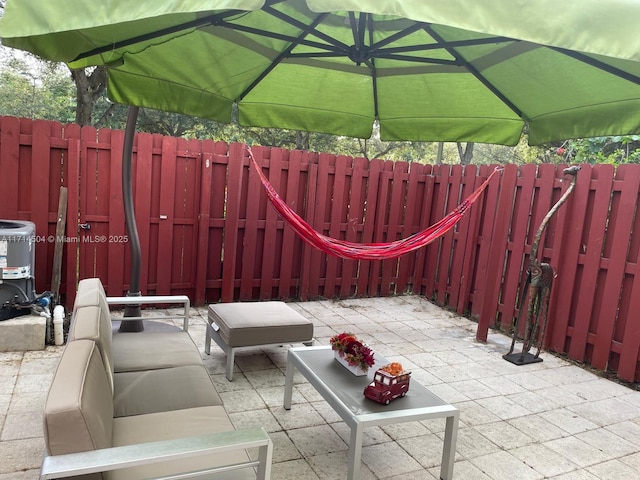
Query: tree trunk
[467,155]
[88,88]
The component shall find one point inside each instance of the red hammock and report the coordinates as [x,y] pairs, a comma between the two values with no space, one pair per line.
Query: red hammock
[366,251]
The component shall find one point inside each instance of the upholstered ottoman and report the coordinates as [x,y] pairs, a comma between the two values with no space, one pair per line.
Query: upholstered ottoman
[249,324]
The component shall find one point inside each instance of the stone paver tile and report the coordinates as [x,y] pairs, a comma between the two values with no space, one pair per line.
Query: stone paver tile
[505,435]
[628,430]
[18,455]
[333,466]
[241,401]
[388,459]
[504,407]
[577,451]
[39,365]
[274,396]
[529,381]
[607,442]
[326,412]
[472,413]
[632,460]
[608,411]
[293,470]
[448,393]
[24,475]
[450,373]
[534,402]
[303,415]
[473,389]
[265,378]
[425,360]
[537,428]
[561,398]
[566,374]
[398,431]
[502,385]
[250,361]
[471,443]
[419,475]
[631,397]
[544,460]
[426,449]
[283,448]
[463,470]
[27,402]
[370,436]
[594,390]
[22,425]
[318,440]
[569,421]
[7,383]
[504,466]
[255,418]
[614,469]
[581,474]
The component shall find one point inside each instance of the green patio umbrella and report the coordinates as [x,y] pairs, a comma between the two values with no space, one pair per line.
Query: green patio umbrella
[425,70]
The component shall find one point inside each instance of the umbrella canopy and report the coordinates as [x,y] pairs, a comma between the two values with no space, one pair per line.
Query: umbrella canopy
[437,70]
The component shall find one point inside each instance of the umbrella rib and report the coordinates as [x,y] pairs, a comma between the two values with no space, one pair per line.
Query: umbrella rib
[374,73]
[285,53]
[475,72]
[212,19]
[598,64]
[438,46]
[408,58]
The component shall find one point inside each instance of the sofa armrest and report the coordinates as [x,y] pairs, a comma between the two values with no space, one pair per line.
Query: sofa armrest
[154,299]
[107,459]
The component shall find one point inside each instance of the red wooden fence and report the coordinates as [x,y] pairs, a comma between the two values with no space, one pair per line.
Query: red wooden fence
[207,230]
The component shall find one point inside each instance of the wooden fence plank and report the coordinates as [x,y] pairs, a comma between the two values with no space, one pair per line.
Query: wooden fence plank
[72,176]
[439,205]
[307,273]
[142,169]
[381,221]
[623,207]
[250,256]
[592,250]
[166,211]
[495,258]
[425,221]
[290,243]
[389,274]
[337,218]
[448,239]
[355,215]
[9,162]
[409,227]
[39,201]
[113,247]
[561,305]
[461,235]
[322,209]
[204,218]
[375,169]
[270,259]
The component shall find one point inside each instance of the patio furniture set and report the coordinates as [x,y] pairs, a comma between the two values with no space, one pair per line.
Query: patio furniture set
[142,405]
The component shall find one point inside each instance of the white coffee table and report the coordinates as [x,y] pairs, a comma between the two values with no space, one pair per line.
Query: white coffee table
[344,392]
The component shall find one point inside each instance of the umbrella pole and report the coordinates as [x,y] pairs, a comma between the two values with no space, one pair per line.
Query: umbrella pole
[132,229]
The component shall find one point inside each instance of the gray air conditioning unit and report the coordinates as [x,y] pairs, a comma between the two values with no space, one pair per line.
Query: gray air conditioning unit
[17,256]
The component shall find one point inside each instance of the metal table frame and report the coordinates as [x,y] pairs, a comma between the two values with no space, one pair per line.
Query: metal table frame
[344,392]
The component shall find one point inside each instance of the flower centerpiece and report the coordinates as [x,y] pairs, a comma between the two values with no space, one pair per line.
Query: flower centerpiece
[352,353]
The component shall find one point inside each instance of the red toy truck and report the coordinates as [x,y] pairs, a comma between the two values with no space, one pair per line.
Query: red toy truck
[387,386]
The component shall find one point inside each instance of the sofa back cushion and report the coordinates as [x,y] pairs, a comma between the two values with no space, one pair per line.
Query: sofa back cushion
[90,323]
[78,412]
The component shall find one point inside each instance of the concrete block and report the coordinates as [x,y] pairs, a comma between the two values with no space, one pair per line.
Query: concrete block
[23,333]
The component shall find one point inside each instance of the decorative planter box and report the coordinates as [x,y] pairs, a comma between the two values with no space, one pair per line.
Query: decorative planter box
[357,371]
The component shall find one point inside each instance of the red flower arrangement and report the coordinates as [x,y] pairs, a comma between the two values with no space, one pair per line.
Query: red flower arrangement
[356,353]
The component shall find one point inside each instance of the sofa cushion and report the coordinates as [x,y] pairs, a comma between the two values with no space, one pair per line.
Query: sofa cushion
[161,390]
[78,412]
[246,324]
[90,323]
[153,350]
[177,424]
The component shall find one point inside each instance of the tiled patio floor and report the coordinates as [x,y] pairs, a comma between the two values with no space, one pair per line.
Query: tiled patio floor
[546,420]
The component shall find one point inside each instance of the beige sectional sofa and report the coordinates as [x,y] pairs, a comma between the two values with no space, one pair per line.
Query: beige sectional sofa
[140,405]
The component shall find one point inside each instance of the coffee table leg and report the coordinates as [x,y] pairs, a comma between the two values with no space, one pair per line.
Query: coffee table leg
[449,447]
[288,383]
[355,452]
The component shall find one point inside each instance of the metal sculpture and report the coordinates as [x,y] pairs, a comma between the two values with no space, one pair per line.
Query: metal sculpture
[537,290]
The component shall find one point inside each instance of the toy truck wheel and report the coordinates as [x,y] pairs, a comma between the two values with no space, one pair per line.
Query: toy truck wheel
[387,401]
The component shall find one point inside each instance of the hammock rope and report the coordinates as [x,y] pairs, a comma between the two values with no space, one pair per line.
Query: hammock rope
[366,251]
